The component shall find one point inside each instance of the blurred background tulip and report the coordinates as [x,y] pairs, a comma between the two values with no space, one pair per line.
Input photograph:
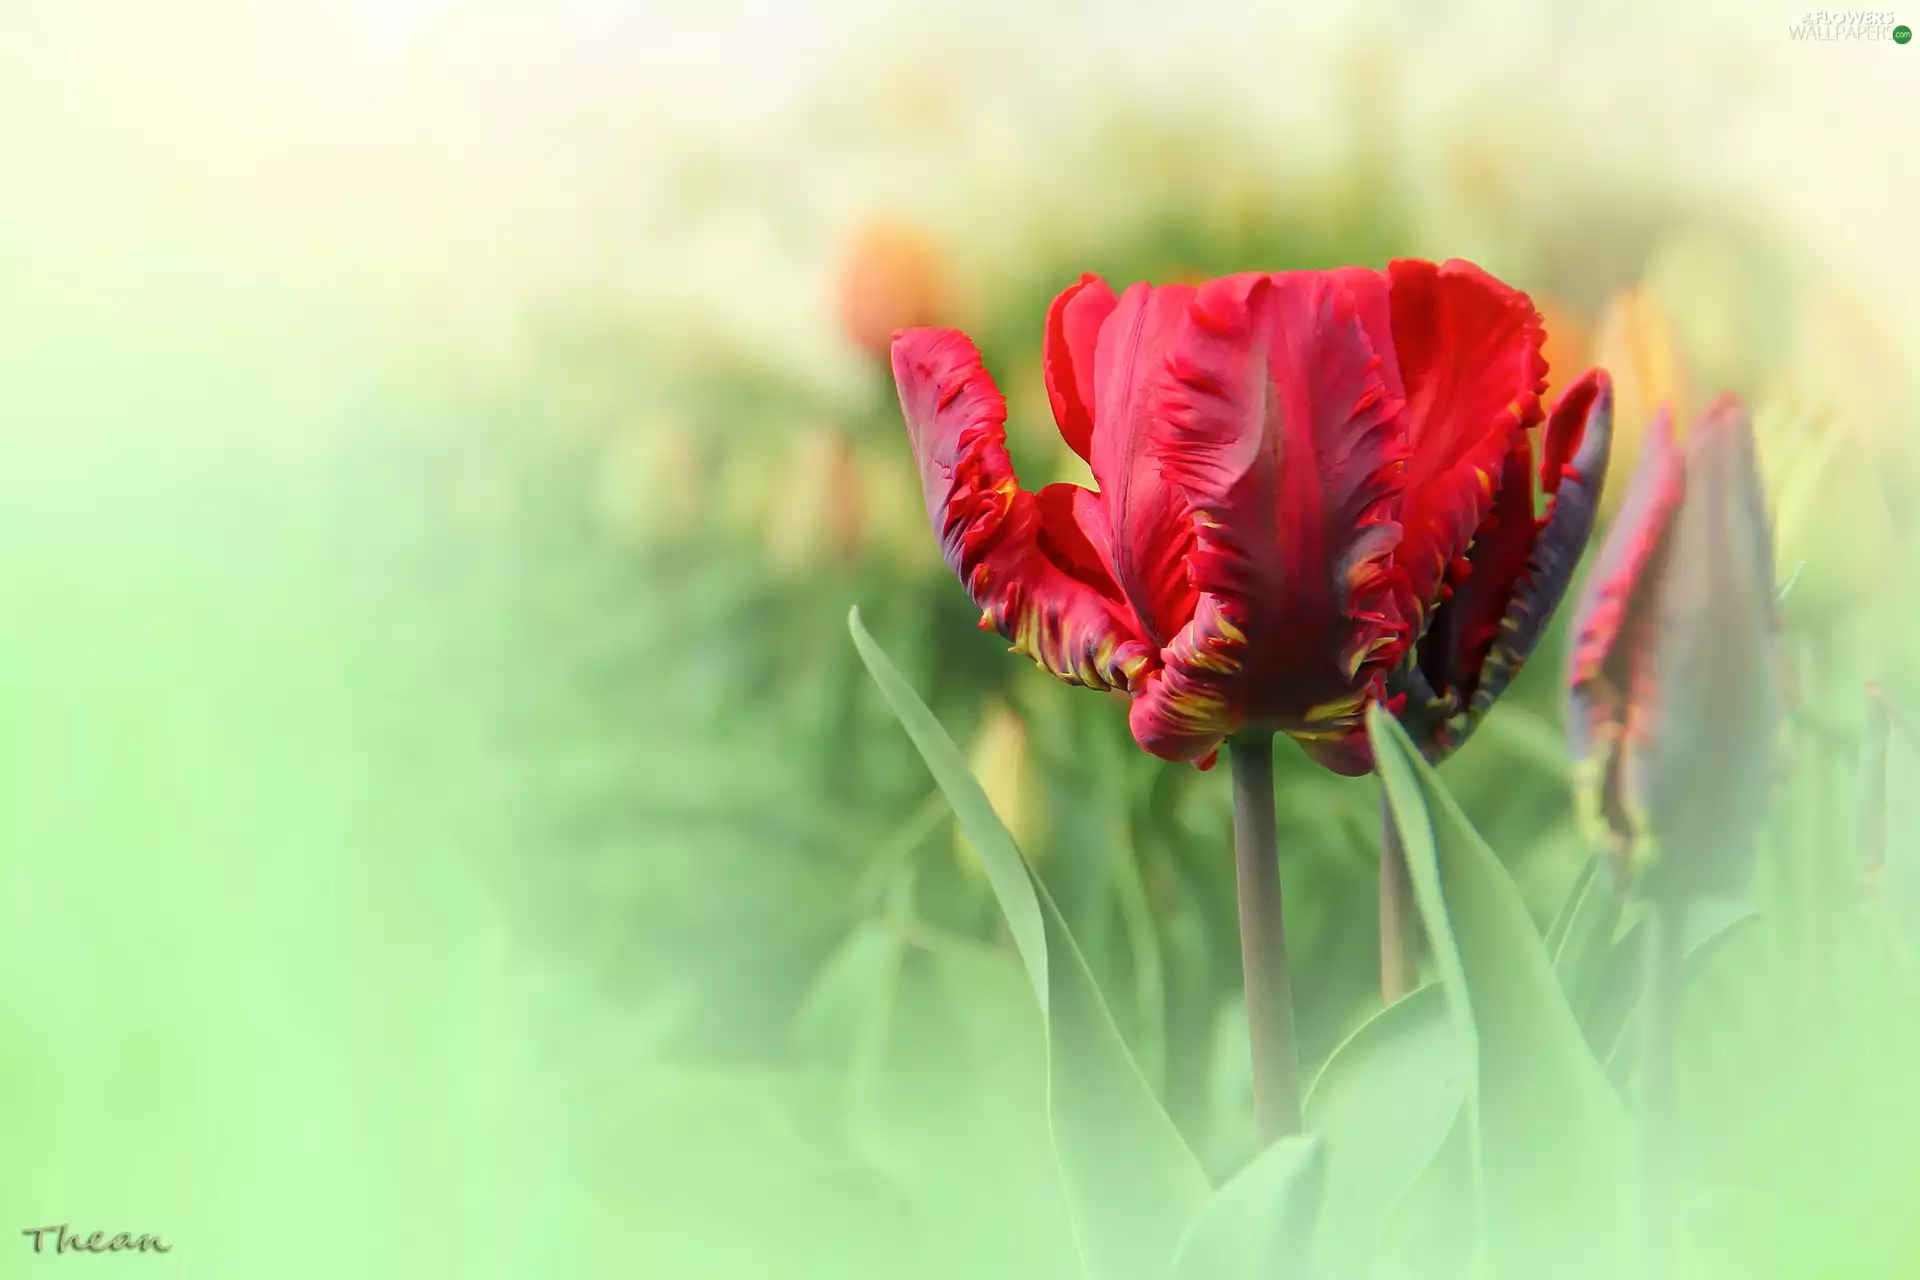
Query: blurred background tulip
[893,277]
[1001,761]
[1837,459]
[652,482]
[1675,676]
[817,515]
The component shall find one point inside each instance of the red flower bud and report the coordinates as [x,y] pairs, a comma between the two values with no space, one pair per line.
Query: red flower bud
[1675,674]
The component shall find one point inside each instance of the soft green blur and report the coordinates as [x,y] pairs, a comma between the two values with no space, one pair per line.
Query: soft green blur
[444,829]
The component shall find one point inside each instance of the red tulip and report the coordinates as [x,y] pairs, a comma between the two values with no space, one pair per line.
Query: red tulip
[1292,470]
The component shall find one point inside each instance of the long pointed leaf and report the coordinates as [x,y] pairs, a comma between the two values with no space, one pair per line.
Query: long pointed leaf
[1261,1224]
[1132,1185]
[1581,953]
[1434,1231]
[1552,1141]
[1384,1103]
[1563,920]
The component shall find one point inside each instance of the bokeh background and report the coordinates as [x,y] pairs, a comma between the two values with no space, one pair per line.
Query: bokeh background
[444,829]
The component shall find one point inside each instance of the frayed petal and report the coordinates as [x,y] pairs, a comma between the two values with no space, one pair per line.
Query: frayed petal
[1277,429]
[1520,569]
[1038,565]
[1373,305]
[1468,349]
[1185,709]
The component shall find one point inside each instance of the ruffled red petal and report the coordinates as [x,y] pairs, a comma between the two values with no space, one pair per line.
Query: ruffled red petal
[1373,304]
[1073,336]
[1152,533]
[1279,432]
[1468,349]
[1035,564]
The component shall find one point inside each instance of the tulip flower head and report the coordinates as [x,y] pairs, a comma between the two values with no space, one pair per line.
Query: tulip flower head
[1300,475]
[1675,674]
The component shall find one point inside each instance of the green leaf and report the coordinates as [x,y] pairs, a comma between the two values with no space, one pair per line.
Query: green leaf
[1591,916]
[1563,919]
[1384,1102]
[1711,926]
[1433,1233]
[1261,1224]
[956,1113]
[1132,1185]
[1553,1152]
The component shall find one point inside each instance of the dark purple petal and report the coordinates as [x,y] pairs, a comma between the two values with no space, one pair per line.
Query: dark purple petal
[1519,569]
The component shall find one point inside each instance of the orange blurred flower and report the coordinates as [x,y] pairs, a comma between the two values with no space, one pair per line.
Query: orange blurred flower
[893,276]
[1568,338]
[1635,341]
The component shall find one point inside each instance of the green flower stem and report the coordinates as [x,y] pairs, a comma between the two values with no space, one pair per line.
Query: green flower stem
[1263,945]
[1399,921]
[1660,1031]
[1833,877]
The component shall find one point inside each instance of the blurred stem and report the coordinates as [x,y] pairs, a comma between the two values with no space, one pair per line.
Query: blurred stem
[1660,1017]
[1399,925]
[1116,768]
[1819,865]
[1263,946]
[1149,985]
